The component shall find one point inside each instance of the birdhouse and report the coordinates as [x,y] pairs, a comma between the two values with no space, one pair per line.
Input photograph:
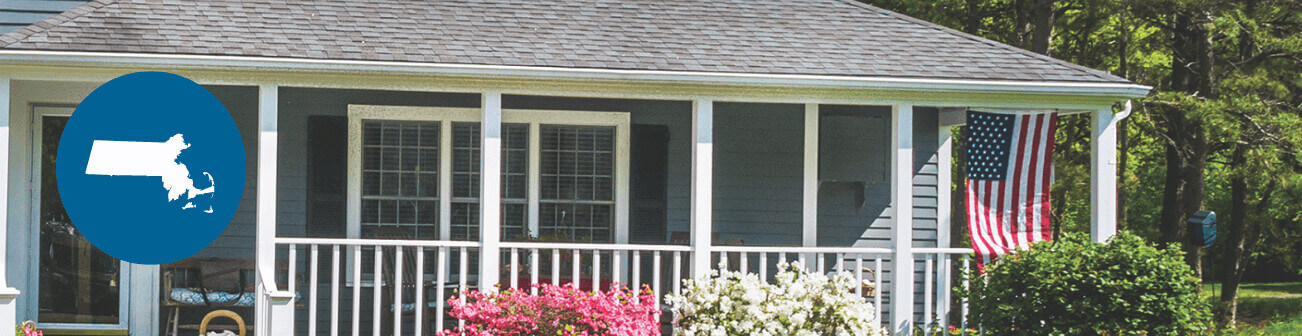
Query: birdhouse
[1202,228]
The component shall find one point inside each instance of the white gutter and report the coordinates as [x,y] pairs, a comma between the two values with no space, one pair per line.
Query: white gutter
[250,63]
[1124,112]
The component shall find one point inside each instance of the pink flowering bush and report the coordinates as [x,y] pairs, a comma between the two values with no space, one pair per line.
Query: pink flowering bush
[557,310]
[28,329]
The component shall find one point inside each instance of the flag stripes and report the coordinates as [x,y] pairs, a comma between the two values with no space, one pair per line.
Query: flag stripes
[1010,168]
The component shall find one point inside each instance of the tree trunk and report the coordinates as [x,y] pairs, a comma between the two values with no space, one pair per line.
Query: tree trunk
[1042,17]
[1236,231]
[972,18]
[1191,68]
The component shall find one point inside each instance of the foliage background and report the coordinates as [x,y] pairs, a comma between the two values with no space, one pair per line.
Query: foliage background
[1253,101]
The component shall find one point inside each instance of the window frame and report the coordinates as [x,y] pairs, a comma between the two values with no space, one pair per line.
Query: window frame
[446,116]
[125,279]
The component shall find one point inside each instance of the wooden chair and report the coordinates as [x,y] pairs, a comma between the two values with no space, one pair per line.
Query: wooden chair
[204,276]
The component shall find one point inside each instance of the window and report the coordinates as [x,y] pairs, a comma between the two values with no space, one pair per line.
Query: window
[563,174]
[400,167]
[578,185]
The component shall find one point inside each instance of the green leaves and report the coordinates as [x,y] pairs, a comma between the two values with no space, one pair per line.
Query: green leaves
[1076,287]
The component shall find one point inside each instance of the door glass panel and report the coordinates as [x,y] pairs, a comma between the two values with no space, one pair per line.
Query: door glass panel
[78,282]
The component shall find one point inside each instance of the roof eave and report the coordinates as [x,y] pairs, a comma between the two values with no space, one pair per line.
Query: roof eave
[251,63]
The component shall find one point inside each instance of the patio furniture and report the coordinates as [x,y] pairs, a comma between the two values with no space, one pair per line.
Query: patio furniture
[239,322]
[207,283]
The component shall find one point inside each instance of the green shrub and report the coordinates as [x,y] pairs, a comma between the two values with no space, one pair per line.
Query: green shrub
[1077,287]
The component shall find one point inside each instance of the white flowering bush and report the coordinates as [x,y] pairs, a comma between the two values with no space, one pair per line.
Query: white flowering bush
[798,303]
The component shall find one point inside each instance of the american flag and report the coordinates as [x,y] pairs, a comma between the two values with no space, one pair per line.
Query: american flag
[1009,171]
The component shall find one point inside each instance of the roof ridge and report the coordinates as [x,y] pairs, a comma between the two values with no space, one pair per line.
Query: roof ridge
[1100,74]
[20,34]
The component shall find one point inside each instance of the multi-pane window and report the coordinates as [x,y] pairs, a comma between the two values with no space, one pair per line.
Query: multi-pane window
[515,181]
[578,170]
[465,181]
[400,183]
[558,180]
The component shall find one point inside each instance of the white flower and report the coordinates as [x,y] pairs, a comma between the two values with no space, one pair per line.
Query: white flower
[733,303]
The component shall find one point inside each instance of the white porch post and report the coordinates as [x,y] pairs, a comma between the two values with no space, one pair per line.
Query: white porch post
[1103,175]
[702,185]
[809,234]
[274,311]
[8,295]
[944,216]
[490,192]
[902,204]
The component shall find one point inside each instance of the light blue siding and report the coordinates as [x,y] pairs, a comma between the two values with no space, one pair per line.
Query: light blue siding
[16,14]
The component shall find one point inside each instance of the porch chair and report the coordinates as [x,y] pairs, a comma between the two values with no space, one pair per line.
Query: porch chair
[214,284]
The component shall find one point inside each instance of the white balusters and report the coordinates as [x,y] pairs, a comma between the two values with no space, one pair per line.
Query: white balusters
[533,271]
[312,284]
[420,292]
[375,291]
[334,291]
[357,291]
[397,290]
[441,278]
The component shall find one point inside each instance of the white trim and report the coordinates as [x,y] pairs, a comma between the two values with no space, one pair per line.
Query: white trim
[944,214]
[535,178]
[4,185]
[902,219]
[490,191]
[176,61]
[265,234]
[944,184]
[8,295]
[447,115]
[1103,175]
[809,232]
[445,179]
[444,115]
[125,279]
[702,227]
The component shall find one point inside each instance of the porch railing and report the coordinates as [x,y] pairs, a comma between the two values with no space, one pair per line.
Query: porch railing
[400,287]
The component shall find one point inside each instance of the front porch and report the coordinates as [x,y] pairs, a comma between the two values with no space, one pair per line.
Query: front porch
[676,180]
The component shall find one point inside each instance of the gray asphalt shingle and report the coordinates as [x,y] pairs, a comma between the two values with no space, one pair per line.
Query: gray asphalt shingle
[808,37]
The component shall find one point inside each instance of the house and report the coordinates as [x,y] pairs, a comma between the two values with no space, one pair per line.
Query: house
[402,150]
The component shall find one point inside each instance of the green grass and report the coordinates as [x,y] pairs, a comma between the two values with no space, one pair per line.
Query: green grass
[1265,308]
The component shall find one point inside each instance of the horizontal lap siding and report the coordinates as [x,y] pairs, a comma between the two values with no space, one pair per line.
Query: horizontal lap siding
[758,169]
[237,241]
[864,164]
[16,14]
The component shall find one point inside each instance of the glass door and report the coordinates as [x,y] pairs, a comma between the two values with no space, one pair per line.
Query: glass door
[78,286]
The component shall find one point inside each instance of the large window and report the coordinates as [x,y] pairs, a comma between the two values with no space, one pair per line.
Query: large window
[562,174]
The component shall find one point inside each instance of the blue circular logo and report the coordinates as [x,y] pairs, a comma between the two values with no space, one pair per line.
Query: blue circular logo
[151,168]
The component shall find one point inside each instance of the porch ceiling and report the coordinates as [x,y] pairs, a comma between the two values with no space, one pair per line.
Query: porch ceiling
[805,37]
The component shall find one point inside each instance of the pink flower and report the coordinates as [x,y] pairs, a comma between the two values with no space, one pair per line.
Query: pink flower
[557,310]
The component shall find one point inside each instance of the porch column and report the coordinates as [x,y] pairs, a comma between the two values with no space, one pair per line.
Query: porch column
[8,295]
[490,191]
[902,203]
[702,185]
[809,234]
[272,307]
[944,211]
[1103,175]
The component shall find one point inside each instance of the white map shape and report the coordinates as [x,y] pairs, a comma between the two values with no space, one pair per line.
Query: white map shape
[139,158]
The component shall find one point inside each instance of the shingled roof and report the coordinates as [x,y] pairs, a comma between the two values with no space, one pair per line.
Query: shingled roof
[805,37]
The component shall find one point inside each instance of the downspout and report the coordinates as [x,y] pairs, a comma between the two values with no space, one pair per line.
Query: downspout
[1125,112]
